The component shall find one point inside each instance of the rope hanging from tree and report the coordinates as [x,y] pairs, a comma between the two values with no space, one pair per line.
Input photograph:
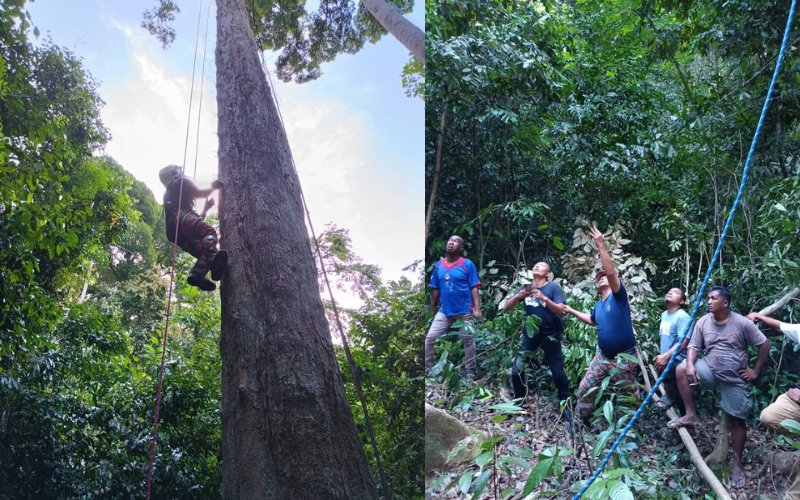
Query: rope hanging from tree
[175,246]
[712,263]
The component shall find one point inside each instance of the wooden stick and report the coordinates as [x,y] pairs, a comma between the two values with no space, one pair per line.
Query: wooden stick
[694,453]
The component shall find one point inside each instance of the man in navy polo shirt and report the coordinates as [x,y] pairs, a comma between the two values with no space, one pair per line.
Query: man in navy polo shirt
[455,287]
[612,317]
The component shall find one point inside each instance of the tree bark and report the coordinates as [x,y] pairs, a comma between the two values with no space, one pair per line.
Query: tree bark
[398,26]
[435,185]
[287,429]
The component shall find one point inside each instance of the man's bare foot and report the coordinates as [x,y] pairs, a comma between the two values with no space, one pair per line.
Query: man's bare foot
[684,421]
[737,474]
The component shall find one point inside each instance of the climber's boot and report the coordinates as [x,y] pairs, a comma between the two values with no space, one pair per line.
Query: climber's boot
[218,264]
[200,281]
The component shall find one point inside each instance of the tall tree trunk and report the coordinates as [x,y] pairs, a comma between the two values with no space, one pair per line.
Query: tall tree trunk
[398,26]
[287,430]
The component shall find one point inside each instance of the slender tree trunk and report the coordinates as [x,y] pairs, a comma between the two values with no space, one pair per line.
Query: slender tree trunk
[398,26]
[287,430]
[435,185]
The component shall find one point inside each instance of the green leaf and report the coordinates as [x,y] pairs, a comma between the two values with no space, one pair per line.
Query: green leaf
[484,458]
[510,408]
[480,484]
[557,242]
[780,207]
[791,425]
[437,482]
[608,411]
[538,473]
[617,490]
[514,461]
[602,441]
[464,482]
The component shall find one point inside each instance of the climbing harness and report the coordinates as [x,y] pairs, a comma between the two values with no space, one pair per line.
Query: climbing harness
[174,254]
[711,263]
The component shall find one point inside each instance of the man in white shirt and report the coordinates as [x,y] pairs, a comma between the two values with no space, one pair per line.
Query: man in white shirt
[787,406]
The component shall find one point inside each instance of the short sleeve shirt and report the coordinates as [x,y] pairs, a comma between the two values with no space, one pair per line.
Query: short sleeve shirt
[551,322]
[724,346]
[672,326]
[791,331]
[187,197]
[455,283]
[614,327]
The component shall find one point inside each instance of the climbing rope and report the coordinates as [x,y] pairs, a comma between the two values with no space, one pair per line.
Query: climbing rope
[713,259]
[174,255]
[350,361]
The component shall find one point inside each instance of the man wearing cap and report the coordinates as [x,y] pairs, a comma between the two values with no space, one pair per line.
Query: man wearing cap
[455,288]
[193,234]
[612,317]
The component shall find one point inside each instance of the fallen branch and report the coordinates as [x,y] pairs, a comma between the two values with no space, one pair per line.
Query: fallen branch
[694,453]
[778,305]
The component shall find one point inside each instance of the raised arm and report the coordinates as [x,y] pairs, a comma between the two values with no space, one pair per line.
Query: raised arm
[605,258]
[585,317]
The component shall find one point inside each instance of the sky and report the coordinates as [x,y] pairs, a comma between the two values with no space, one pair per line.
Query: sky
[357,139]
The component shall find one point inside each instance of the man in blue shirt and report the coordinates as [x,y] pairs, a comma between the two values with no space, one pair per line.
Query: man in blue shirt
[455,288]
[612,317]
[673,322]
[544,300]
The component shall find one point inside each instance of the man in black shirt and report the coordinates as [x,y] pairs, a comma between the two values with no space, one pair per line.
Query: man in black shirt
[194,235]
[546,301]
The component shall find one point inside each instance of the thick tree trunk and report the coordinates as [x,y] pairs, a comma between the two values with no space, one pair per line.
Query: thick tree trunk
[398,26]
[287,430]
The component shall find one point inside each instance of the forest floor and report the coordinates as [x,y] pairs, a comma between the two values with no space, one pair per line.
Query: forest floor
[659,449]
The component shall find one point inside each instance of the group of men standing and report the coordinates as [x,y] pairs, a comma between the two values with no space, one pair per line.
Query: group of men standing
[722,338]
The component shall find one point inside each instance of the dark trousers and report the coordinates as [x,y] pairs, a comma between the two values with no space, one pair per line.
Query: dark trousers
[552,356]
[196,237]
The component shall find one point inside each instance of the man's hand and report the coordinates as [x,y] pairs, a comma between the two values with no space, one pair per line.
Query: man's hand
[691,374]
[477,313]
[598,237]
[794,395]
[537,294]
[209,205]
[661,362]
[217,184]
[748,374]
[752,317]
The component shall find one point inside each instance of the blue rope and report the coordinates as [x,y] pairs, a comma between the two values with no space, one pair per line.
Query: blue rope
[712,263]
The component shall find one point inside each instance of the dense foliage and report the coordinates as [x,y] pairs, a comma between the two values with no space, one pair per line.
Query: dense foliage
[634,115]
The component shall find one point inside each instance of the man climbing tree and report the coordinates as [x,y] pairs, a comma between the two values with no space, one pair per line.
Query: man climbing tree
[193,234]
